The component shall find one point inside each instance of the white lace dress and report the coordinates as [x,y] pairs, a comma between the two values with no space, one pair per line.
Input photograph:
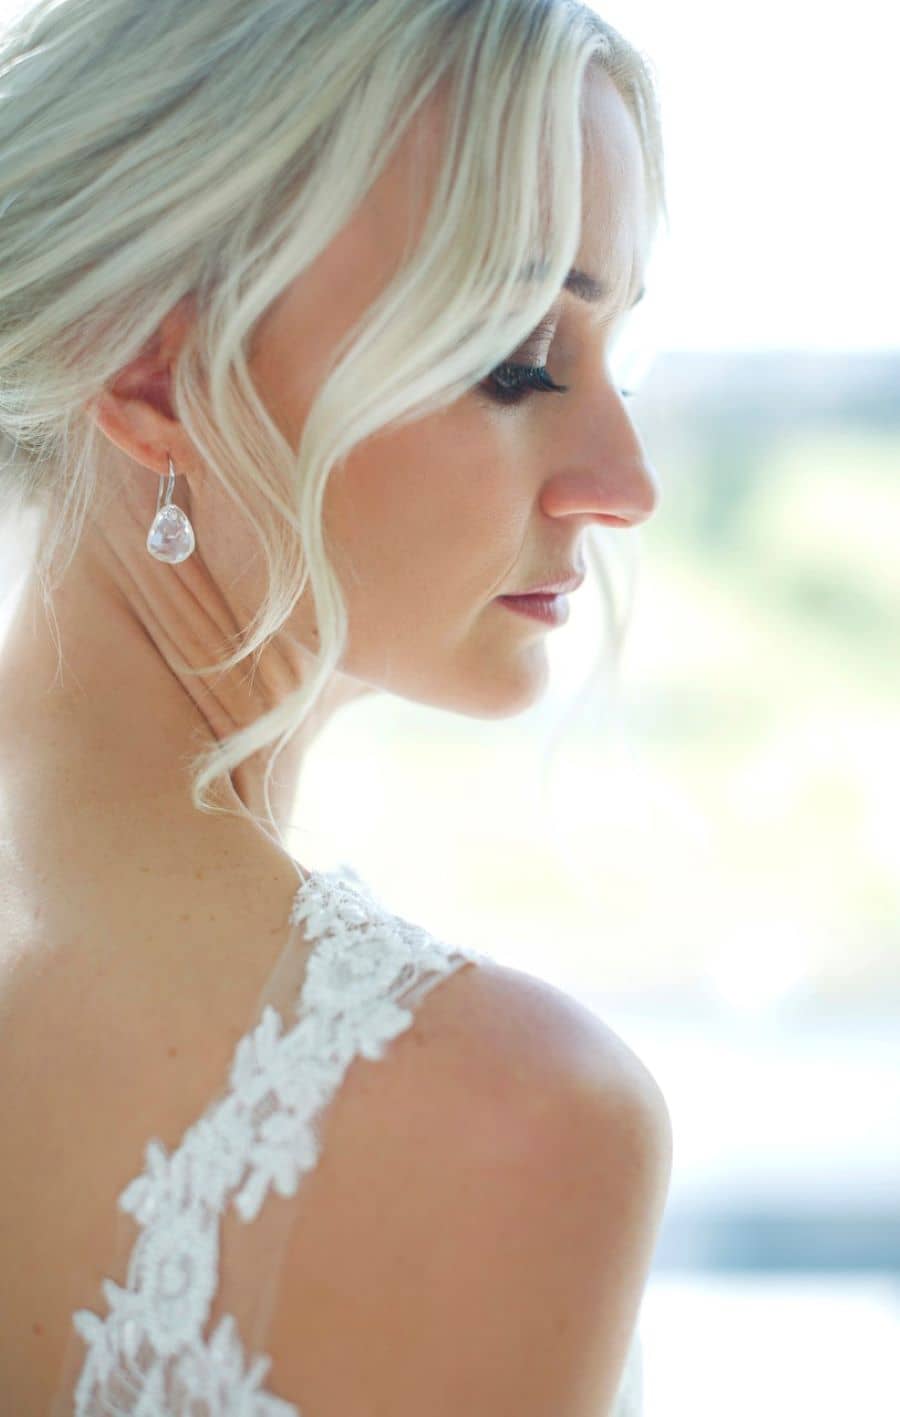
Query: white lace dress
[158,1351]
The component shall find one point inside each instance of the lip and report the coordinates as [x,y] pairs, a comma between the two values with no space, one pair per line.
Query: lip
[560,587]
[550,609]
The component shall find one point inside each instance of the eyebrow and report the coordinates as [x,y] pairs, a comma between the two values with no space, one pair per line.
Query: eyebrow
[594,292]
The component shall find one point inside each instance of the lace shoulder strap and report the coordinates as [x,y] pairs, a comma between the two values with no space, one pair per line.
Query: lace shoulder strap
[172,1342]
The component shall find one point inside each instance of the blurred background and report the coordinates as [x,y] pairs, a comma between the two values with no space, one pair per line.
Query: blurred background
[720,880]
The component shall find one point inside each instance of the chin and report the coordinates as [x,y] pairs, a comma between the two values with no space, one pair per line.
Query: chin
[509,689]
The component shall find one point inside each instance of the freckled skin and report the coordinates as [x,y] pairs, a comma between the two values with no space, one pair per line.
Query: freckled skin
[428,523]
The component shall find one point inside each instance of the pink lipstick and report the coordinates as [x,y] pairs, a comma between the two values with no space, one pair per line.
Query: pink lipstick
[551,609]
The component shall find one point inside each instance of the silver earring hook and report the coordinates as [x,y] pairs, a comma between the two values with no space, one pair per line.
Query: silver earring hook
[171,537]
[164,497]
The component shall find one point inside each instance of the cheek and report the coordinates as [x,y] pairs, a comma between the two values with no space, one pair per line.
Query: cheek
[376,516]
[413,505]
[478,499]
[422,511]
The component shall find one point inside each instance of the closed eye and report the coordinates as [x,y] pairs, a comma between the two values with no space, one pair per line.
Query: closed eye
[512,383]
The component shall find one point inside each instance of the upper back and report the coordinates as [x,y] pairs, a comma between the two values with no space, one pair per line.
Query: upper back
[408,1171]
[122,1169]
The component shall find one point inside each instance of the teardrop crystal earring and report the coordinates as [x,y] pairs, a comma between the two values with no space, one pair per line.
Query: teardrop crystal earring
[171,537]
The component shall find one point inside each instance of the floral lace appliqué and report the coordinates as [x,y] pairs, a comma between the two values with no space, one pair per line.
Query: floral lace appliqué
[149,1356]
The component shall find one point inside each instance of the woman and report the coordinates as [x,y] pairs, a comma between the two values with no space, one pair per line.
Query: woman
[294,367]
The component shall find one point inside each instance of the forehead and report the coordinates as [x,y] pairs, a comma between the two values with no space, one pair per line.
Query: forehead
[615,219]
[614,229]
[373,245]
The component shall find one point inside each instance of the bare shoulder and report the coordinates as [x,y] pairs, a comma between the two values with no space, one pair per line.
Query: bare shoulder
[552,1042]
[480,1225]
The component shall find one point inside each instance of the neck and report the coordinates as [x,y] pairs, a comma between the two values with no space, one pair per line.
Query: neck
[113,728]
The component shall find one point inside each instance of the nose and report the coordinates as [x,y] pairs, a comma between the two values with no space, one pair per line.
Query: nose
[601,468]
[620,491]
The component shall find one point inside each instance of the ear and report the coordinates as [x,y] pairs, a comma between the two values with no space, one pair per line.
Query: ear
[135,411]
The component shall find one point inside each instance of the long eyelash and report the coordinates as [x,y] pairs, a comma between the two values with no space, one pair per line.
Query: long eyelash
[526,378]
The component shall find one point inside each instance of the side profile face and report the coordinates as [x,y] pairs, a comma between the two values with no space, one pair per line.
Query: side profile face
[428,524]
[434,521]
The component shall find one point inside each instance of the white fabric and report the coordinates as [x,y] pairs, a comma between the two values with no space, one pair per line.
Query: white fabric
[158,1351]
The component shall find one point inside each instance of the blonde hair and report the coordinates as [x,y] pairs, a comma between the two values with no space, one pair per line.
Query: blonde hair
[150,151]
